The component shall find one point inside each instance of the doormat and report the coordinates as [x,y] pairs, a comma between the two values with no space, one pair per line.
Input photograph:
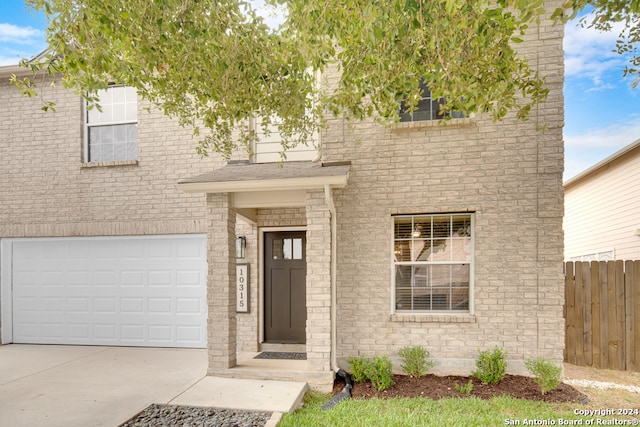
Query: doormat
[281,355]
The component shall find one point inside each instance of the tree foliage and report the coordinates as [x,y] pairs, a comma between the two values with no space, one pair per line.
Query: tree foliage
[604,14]
[216,64]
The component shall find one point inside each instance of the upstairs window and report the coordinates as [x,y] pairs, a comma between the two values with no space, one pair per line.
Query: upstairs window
[112,134]
[428,108]
[433,262]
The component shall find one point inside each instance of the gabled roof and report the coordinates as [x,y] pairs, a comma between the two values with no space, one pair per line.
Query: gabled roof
[630,150]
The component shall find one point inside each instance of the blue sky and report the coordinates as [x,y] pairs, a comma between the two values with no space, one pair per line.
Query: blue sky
[602,111]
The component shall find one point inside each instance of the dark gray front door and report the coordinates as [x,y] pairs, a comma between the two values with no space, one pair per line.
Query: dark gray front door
[285,266]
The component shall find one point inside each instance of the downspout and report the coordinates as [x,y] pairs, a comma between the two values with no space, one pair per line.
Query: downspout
[334,293]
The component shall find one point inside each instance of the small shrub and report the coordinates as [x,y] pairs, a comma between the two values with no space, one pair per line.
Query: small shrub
[358,366]
[545,373]
[491,366]
[380,372]
[415,360]
[464,389]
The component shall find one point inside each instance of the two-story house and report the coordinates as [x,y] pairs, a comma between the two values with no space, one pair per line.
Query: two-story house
[113,231]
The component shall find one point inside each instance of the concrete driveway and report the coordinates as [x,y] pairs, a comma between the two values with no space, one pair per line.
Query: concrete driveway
[74,386]
[49,385]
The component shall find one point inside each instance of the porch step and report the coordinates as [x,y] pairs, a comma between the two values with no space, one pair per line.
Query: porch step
[322,381]
[244,394]
[283,348]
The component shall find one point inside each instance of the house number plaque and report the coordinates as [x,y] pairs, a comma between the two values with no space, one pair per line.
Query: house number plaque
[242,288]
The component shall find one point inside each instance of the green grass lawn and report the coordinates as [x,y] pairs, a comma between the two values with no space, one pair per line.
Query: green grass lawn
[425,412]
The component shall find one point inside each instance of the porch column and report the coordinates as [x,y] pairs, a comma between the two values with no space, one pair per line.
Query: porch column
[221,295]
[318,282]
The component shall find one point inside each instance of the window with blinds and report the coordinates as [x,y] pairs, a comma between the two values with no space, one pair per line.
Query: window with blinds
[433,262]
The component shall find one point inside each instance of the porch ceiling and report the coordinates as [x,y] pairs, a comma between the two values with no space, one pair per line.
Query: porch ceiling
[286,176]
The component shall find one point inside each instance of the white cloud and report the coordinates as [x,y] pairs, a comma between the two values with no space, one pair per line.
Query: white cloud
[593,145]
[10,33]
[618,134]
[11,56]
[8,60]
[589,52]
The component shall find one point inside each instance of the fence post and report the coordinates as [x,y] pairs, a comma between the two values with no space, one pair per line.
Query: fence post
[596,339]
[586,314]
[569,291]
[636,319]
[620,317]
[604,315]
[579,313]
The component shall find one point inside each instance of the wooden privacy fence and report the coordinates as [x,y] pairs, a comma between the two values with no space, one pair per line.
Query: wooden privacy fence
[603,314]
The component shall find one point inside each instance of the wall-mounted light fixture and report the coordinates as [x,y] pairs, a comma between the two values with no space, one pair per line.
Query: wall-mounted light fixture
[241,246]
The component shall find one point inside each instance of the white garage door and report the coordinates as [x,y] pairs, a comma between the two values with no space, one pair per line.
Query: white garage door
[123,291]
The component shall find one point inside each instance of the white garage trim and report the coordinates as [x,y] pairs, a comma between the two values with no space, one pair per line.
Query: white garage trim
[129,290]
[6,322]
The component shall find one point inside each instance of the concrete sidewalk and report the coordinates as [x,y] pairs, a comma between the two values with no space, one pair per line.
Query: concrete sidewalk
[49,385]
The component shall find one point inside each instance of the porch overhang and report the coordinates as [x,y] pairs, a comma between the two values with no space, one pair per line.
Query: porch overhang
[288,176]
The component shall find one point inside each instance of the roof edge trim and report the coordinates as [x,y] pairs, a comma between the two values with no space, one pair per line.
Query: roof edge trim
[264,184]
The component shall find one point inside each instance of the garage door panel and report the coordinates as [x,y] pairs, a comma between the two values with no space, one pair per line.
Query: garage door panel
[189,306]
[78,305]
[78,278]
[190,334]
[105,278]
[106,305]
[28,330]
[161,333]
[137,291]
[79,331]
[161,278]
[134,278]
[53,304]
[53,330]
[189,278]
[26,304]
[160,305]
[105,333]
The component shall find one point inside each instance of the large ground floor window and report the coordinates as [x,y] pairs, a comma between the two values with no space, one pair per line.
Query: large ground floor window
[433,262]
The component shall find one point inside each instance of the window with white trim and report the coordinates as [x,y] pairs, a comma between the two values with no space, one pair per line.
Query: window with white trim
[428,108]
[112,134]
[433,262]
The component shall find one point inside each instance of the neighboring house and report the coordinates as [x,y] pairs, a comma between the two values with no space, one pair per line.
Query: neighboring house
[602,209]
[444,236]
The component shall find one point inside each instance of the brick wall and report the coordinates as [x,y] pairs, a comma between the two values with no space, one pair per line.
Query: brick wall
[509,174]
[318,282]
[46,191]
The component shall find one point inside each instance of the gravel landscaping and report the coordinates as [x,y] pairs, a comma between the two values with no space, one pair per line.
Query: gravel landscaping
[603,385]
[186,416]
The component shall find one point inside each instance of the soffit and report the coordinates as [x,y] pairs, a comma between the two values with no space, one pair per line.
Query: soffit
[286,176]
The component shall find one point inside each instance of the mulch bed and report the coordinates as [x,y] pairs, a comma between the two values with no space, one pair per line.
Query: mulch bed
[438,387]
